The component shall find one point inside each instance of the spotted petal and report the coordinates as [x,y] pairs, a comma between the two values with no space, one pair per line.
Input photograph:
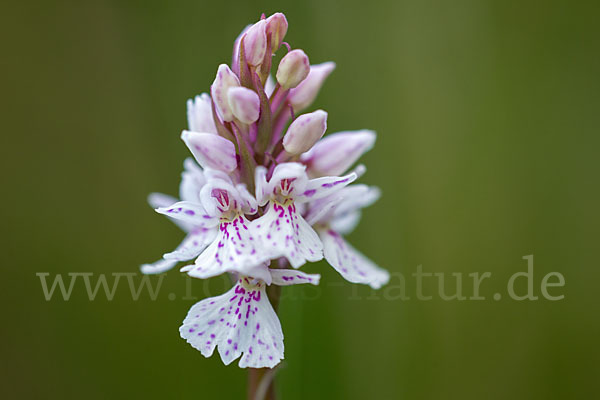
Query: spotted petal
[159,200]
[287,277]
[196,241]
[235,249]
[240,322]
[192,213]
[325,186]
[351,264]
[284,233]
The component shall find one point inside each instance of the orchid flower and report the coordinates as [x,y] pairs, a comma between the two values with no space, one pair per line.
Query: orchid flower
[199,235]
[338,215]
[282,229]
[235,248]
[242,321]
[269,191]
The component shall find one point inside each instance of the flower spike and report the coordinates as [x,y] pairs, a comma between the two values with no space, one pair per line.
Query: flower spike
[257,204]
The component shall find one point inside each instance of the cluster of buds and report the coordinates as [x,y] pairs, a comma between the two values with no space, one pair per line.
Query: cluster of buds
[263,194]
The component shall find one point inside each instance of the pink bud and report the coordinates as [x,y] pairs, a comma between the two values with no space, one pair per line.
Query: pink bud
[211,151]
[255,43]
[305,93]
[244,104]
[334,154]
[293,69]
[235,60]
[277,26]
[225,79]
[304,132]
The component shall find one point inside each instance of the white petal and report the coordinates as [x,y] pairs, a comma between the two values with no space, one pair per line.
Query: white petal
[325,186]
[158,200]
[287,277]
[290,170]
[192,180]
[346,223]
[248,202]
[357,197]
[196,241]
[211,151]
[288,179]
[235,249]
[269,86]
[240,322]
[219,196]
[352,265]
[262,187]
[261,272]
[335,153]
[335,208]
[284,233]
[158,267]
[200,115]
[192,213]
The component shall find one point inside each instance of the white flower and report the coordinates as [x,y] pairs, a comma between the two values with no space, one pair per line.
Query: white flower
[338,215]
[282,230]
[199,235]
[235,248]
[242,322]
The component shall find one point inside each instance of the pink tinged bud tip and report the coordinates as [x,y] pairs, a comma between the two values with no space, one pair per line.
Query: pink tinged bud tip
[334,154]
[211,151]
[277,26]
[235,60]
[225,80]
[304,132]
[293,69]
[305,93]
[244,104]
[255,43]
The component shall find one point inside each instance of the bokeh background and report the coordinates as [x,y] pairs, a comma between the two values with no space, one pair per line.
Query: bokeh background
[488,115]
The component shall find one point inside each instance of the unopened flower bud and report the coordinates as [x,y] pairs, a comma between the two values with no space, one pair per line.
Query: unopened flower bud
[225,79]
[255,43]
[305,93]
[235,59]
[277,26]
[304,132]
[293,69]
[244,104]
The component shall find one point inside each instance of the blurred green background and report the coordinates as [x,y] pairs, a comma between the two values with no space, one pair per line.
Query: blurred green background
[488,115]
